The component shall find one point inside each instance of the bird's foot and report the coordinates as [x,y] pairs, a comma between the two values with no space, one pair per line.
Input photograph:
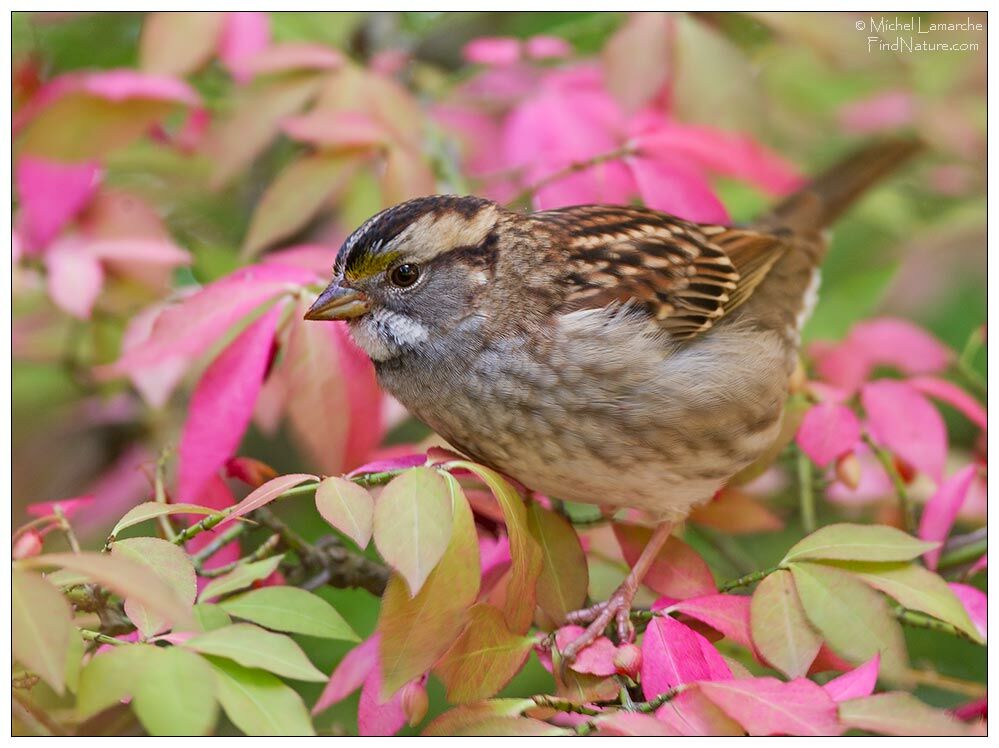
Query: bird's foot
[597,617]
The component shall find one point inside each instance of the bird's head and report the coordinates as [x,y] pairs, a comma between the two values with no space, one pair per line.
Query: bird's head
[411,273]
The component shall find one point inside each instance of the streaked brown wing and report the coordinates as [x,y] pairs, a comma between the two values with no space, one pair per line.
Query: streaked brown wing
[686,276]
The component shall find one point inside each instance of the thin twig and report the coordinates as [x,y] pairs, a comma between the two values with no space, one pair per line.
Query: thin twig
[915,619]
[67,529]
[166,525]
[964,549]
[573,168]
[901,491]
[947,683]
[806,493]
[268,548]
[748,579]
[97,636]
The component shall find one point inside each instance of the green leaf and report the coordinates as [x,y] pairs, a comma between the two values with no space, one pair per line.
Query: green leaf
[916,588]
[41,626]
[416,631]
[564,578]
[241,577]
[484,657]
[413,521]
[854,619]
[252,646]
[127,578]
[153,509]
[348,507]
[849,542]
[290,609]
[168,562]
[295,196]
[208,617]
[258,703]
[780,630]
[74,660]
[900,713]
[521,591]
[176,694]
[111,676]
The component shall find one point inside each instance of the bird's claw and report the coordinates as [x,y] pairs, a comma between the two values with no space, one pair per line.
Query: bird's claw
[596,618]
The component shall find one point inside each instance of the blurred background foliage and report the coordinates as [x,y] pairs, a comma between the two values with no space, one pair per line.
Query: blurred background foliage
[804,85]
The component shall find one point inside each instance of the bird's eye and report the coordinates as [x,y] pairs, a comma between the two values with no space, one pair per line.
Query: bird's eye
[404,275]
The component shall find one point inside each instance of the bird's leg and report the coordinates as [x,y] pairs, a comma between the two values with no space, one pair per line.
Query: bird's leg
[618,606]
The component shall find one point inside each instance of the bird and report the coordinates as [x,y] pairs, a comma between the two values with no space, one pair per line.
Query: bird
[603,354]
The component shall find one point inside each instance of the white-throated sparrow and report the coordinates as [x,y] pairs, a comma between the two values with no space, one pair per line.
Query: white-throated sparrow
[602,354]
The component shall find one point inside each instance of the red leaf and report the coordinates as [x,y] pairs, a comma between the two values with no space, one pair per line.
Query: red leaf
[50,195]
[595,659]
[677,571]
[692,714]
[629,724]
[673,185]
[975,602]
[766,706]
[222,405]
[954,396]
[942,508]
[350,674]
[828,431]
[673,654]
[375,717]
[728,614]
[902,420]
[856,683]
[266,494]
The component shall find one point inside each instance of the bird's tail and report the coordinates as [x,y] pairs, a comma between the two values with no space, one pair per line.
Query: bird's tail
[825,198]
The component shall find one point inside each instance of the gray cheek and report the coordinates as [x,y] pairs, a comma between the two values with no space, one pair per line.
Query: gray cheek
[384,334]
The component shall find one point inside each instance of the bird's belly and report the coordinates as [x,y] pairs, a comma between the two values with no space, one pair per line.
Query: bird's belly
[659,433]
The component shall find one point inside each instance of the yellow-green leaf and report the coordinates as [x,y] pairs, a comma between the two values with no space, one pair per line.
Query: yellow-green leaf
[413,521]
[849,542]
[900,713]
[564,577]
[170,564]
[111,676]
[521,591]
[240,578]
[290,609]
[416,631]
[295,196]
[854,619]
[208,617]
[127,578]
[176,694]
[254,647]
[178,43]
[916,588]
[780,630]
[455,721]
[348,507]
[484,657]
[151,510]
[259,703]
[41,625]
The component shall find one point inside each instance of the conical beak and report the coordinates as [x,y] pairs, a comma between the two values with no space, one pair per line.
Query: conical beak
[337,302]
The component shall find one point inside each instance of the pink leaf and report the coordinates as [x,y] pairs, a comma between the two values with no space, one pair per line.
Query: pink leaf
[222,405]
[69,507]
[728,614]
[492,50]
[74,277]
[266,494]
[975,602]
[874,483]
[828,431]
[857,683]
[954,396]
[942,508]
[547,47]
[289,56]
[729,154]
[902,420]
[373,716]
[335,130]
[394,463]
[766,706]
[51,194]
[677,571]
[691,713]
[887,110]
[673,654]
[350,674]
[157,382]
[140,250]
[244,34]
[596,659]
[194,325]
[674,186]
[633,724]
[367,424]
